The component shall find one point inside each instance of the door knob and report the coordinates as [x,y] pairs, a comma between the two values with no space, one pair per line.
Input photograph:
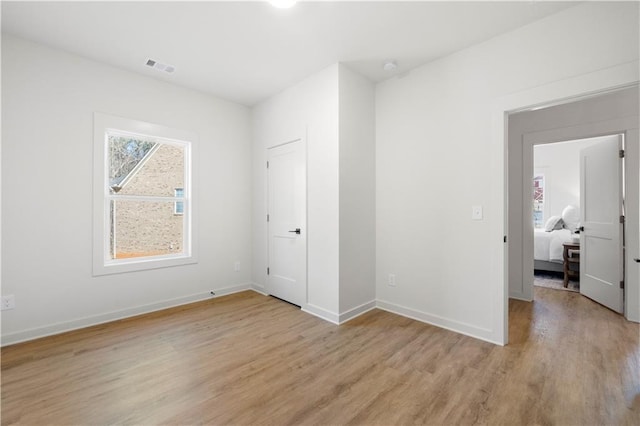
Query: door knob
[581,229]
[637,260]
[297,231]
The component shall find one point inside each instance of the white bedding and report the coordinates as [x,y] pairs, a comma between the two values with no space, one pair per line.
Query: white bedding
[548,245]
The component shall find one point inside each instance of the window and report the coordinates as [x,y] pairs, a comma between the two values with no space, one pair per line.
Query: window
[538,201]
[143,209]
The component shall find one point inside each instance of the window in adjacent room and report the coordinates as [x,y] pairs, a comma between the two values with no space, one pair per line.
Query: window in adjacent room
[143,209]
[538,201]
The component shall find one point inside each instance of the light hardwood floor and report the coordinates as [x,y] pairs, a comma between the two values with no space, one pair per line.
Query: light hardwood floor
[251,359]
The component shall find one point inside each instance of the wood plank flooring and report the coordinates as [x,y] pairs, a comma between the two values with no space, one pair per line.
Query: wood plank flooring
[248,359]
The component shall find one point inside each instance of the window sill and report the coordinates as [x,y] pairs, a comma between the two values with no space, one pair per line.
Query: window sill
[142,264]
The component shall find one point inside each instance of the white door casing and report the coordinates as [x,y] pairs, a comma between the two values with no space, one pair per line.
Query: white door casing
[505,152]
[286,213]
[601,248]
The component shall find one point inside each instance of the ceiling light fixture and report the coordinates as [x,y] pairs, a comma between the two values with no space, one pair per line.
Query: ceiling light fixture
[389,65]
[282,4]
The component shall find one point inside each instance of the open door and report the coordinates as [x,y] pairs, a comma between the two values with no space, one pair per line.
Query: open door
[601,248]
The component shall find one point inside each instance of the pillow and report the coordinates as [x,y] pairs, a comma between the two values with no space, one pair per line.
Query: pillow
[571,217]
[553,223]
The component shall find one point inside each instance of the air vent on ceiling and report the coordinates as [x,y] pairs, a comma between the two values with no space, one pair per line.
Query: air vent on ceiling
[160,66]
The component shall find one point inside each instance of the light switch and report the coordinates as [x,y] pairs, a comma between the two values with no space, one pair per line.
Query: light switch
[476,212]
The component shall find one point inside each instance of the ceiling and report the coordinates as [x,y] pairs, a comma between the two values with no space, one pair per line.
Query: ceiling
[247,51]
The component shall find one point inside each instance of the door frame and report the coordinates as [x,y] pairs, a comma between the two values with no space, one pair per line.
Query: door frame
[559,135]
[304,225]
[554,93]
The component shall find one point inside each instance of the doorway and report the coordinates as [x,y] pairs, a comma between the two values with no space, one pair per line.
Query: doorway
[614,112]
[577,202]
[286,222]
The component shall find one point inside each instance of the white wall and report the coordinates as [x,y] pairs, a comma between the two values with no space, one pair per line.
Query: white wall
[434,160]
[560,165]
[335,109]
[357,193]
[309,108]
[48,101]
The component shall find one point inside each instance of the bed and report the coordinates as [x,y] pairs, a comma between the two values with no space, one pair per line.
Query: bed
[547,242]
[547,249]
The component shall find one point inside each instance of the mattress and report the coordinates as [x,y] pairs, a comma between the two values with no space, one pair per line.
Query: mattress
[547,246]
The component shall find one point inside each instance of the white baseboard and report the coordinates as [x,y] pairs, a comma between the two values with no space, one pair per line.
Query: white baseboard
[519,296]
[321,313]
[62,327]
[355,312]
[338,319]
[456,326]
[258,288]
[332,317]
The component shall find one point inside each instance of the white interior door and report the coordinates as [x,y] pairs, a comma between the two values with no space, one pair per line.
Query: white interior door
[601,251]
[287,267]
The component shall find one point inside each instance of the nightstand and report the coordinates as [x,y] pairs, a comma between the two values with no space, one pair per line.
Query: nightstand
[571,261]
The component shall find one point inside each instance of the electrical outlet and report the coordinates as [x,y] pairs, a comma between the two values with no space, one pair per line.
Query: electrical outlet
[8,302]
[392,280]
[236,266]
[476,212]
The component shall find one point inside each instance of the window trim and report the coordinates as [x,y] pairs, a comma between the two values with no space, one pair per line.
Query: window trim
[102,263]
